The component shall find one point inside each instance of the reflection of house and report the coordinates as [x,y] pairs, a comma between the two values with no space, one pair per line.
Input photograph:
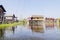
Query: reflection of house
[36,23]
[10,19]
[2,13]
[49,22]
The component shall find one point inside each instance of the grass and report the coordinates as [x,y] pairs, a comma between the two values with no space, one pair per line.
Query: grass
[2,26]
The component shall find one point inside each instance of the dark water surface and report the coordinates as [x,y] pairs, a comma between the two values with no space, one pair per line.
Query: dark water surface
[24,33]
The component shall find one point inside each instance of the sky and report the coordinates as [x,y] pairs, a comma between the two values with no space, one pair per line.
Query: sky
[26,8]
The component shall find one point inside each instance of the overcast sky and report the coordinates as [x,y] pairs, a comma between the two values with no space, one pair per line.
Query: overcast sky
[26,8]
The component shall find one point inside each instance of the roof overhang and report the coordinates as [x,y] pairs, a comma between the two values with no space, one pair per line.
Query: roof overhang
[2,8]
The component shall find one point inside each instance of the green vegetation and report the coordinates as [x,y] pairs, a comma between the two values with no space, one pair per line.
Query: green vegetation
[22,22]
[2,26]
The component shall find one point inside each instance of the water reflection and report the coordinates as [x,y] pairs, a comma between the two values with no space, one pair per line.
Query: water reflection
[22,32]
[37,29]
[1,33]
[13,29]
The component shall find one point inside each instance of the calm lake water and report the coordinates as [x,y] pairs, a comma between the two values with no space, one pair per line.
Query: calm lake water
[24,33]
